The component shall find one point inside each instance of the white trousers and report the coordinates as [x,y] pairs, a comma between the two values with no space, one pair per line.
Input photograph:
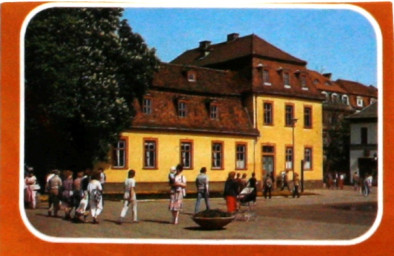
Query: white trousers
[125,208]
[96,208]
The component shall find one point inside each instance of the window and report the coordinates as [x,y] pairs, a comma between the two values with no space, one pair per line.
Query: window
[364,135]
[119,154]
[303,82]
[182,109]
[289,115]
[217,155]
[327,96]
[191,76]
[240,156]
[187,154]
[289,158]
[213,111]
[360,102]
[345,99]
[286,79]
[307,117]
[147,106]
[268,120]
[150,153]
[334,98]
[266,77]
[308,158]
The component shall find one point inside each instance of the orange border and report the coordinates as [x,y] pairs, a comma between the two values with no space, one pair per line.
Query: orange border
[15,239]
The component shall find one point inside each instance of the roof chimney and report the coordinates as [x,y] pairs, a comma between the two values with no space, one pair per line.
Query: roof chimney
[232,37]
[204,45]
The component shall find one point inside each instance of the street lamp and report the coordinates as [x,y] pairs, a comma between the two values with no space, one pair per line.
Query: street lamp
[293,122]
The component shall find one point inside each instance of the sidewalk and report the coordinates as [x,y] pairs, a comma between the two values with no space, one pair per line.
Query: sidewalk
[319,214]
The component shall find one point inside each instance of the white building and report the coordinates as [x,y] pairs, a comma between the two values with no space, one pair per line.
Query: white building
[363,141]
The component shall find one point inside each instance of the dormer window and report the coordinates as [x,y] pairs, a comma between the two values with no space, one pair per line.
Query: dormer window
[147,106]
[191,76]
[360,102]
[334,98]
[266,77]
[303,83]
[286,79]
[326,95]
[213,111]
[345,99]
[316,81]
[372,100]
[182,111]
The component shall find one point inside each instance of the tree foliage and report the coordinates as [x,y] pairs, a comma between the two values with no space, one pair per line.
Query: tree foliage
[337,147]
[83,69]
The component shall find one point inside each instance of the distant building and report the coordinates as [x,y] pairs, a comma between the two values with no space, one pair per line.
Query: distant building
[342,98]
[364,141]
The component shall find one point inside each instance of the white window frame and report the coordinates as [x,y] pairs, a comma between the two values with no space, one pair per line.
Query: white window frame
[360,101]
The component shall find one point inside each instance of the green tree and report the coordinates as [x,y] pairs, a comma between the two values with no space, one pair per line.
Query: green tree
[337,147]
[83,69]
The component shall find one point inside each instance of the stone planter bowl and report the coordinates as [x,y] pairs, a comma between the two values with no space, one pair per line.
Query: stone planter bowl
[212,222]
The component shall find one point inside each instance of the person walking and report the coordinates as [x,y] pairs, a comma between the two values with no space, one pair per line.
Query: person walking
[252,183]
[285,182]
[356,181]
[84,205]
[368,184]
[296,181]
[267,186]
[231,192]
[95,197]
[178,191]
[130,197]
[31,188]
[67,193]
[202,185]
[54,185]
[78,193]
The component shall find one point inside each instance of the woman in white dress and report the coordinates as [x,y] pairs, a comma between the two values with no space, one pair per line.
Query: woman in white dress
[31,189]
[95,197]
[178,191]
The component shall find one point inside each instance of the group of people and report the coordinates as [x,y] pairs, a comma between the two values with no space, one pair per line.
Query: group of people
[234,192]
[335,180]
[81,196]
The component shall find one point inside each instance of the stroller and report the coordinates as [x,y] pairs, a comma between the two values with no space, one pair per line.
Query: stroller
[246,196]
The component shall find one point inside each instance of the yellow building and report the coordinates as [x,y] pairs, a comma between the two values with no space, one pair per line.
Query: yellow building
[242,105]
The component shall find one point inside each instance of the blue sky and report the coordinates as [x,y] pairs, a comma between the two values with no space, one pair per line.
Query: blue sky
[341,42]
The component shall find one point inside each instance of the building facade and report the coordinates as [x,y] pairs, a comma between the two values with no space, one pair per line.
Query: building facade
[364,142]
[241,105]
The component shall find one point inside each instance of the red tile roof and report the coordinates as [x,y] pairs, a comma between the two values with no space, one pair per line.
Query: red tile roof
[357,88]
[247,46]
[323,83]
[170,85]
[211,81]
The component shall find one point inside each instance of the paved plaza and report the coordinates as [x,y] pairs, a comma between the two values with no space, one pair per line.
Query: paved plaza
[317,215]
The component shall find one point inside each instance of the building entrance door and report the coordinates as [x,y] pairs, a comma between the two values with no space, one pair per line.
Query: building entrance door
[268,167]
